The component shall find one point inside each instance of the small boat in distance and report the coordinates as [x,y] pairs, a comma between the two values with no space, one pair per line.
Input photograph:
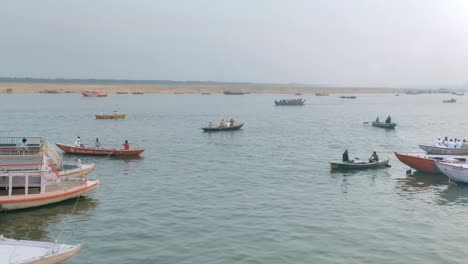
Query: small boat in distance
[299,101]
[115,116]
[224,128]
[72,149]
[348,97]
[451,101]
[28,251]
[458,93]
[94,93]
[322,94]
[121,92]
[390,125]
[358,164]
[297,94]
[234,93]
[206,93]
[137,93]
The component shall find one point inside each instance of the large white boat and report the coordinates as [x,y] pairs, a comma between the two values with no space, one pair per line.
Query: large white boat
[36,176]
[455,171]
[34,252]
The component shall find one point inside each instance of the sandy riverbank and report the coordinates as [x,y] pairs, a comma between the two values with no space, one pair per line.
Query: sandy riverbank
[185,89]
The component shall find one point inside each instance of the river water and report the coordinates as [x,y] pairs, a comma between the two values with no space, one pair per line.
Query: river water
[264,194]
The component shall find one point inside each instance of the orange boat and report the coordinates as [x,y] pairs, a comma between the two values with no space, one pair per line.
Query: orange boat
[115,116]
[426,163]
[94,93]
[72,149]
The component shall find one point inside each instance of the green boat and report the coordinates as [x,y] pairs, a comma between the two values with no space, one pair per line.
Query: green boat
[358,164]
[390,125]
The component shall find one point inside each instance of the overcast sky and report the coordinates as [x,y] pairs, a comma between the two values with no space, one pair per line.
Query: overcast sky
[335,42]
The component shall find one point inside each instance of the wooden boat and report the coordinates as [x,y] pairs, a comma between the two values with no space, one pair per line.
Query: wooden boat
[94,93]
[290,102]
[121,92]
[234,93]
[444,150]
[451,101]
[137,93]
[98,151]
[390,125]
[455,171]
[427,163]
[35,252]
[358,164]
[348,97]
[218,129]
[118,116]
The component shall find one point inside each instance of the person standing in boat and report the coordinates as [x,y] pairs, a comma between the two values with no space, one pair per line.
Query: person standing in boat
[126,145]
[98,144]
[222,123]
[388,120]
[374,157]
[232,121]
[377,120]
[345,156]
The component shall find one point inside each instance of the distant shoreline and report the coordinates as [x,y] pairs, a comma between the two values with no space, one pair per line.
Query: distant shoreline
[185,89]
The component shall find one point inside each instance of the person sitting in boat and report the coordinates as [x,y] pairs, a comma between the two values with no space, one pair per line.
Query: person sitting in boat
[436,143]
[374,157]
[377,120]
[78,142]
[345,156]
[115,112]
[228,124]
[231,121]
[126,145]
[388,120]
[464,144]
[210,124]
[98,144]
[458,144]
[444,142]
[222,124]
[451,144]
[22,144]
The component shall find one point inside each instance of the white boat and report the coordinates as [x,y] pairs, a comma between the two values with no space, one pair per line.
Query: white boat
[455,171]
[34,252]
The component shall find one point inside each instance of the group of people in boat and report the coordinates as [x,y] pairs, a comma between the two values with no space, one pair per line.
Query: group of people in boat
[228,123]
[449,143]
[373,158]
[388,120]
[97,144]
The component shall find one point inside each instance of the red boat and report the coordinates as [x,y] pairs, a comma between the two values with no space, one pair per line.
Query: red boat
[94,93]
[98,151]
[426,163]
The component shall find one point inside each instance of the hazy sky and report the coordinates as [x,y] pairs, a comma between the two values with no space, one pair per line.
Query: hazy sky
[335,42]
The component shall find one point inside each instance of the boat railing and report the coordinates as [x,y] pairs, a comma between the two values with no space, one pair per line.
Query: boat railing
[55,157]
[8,146]
[22,179]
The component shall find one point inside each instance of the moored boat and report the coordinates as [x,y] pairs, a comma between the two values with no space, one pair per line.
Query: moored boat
[115,116]
[348,97]
[450,101]
[299,101]
[358,164]
[137,93]
[234,93]
[224,128]
[444,150]
[35,252]
[455,171]
[390,125]
[94,93]
[67,148]
[427,163]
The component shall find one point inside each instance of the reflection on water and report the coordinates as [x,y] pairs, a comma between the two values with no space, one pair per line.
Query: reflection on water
[418,181]
[33,223]
[456,193]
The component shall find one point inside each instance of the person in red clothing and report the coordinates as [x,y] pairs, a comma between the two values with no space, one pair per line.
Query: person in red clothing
[126,145]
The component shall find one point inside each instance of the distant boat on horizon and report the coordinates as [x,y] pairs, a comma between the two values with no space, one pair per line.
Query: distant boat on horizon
[234,93]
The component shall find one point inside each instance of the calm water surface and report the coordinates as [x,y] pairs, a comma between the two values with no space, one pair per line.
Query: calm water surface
[263,194]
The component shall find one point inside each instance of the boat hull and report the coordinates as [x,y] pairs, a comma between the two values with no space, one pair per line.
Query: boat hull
[34,200]
[98,151]
[444,151]
[418,162]
[219,129]
[289,103]
[384,125]
[82,171]
[455,171]
[110,116]
[26,252]
[335,165]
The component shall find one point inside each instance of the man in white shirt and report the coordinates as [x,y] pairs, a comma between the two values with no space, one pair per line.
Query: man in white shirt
[78,142]
[458,144]
[451,144]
